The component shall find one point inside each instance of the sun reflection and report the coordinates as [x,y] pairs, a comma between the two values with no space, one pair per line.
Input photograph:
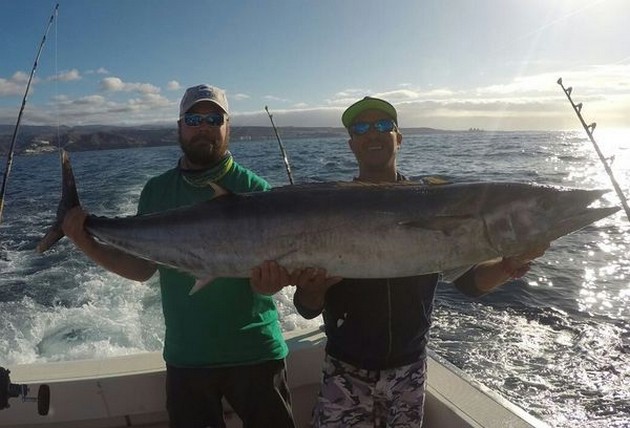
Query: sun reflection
[615,147]
[605,262]
[569,361]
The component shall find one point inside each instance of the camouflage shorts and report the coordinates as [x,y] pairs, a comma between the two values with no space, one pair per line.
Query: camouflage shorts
[353,397]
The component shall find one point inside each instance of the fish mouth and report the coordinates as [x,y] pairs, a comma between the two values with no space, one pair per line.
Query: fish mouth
[582,219]
[574,213]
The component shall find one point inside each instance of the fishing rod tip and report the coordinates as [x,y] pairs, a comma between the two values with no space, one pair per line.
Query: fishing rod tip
[559,81]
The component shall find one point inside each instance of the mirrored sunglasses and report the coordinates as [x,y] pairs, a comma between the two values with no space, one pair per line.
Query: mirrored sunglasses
[196,119]
[383,126]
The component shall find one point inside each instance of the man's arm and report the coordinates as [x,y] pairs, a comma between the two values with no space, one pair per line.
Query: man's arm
[110,258]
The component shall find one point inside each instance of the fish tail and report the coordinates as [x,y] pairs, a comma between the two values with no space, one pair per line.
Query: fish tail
[69,199]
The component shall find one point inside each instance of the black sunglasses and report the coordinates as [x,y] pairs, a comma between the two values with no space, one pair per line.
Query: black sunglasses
[196,119]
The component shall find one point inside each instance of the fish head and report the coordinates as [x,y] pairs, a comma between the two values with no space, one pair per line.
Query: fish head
[531,215]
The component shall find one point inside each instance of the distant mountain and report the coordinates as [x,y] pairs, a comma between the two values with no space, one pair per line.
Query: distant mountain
[43,139]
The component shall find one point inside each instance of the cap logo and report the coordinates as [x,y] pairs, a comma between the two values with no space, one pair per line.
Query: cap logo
[205,93]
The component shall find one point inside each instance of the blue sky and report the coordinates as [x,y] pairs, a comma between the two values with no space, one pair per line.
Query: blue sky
[451,64]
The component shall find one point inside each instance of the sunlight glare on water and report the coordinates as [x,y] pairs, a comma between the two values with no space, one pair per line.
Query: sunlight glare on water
[607,256]
[554,342]
[560,354]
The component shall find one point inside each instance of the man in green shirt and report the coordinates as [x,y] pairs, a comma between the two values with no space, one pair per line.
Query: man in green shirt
[225,340]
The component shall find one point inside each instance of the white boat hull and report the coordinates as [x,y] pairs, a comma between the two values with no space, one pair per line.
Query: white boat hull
[129,391]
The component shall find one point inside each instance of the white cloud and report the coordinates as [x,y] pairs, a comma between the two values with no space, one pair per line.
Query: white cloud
[66,76]
[239,97]
[112,84]
[531,94]
[117,85]
[351,93]
[15,85]
[145,88]
[149,101]
[100,70]
[97,109]
[20,77]
[9,88]
[320,116]
[524,102]
[274,98]
[397,95]
[90,100]
[173,85]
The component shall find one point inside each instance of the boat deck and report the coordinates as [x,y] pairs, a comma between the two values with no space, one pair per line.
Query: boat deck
[129,392]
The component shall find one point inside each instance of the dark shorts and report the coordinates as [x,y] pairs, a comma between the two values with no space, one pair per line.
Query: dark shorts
[259,394]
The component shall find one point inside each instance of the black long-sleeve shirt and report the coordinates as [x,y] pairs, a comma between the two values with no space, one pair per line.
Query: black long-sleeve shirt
[381,323]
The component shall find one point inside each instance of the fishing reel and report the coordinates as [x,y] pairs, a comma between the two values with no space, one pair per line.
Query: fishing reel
[12,390]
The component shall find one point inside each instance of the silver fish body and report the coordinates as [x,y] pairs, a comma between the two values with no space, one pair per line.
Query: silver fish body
[352,230]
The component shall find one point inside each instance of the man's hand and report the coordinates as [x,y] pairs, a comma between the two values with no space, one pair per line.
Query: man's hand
[269,278]
[313,280]
[493,273]
[517,266]
[73,226]
[312,285]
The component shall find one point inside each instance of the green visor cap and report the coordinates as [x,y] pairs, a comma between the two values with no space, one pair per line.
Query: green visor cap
[367,103]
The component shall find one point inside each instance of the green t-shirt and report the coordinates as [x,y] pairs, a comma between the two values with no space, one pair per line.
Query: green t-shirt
[225,323]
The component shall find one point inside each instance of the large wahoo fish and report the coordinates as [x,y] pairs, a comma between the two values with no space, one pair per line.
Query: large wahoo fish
[351,230]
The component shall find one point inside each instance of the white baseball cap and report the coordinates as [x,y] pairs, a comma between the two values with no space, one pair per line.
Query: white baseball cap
[200,93]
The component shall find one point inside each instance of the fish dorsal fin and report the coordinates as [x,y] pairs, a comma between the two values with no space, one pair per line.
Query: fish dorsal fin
[445,224]
[218,190]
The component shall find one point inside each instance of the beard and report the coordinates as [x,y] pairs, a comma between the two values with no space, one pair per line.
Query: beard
[203,150]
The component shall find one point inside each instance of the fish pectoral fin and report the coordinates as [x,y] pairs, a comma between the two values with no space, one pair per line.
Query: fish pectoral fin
[451,275]
[200,284]
[445,224]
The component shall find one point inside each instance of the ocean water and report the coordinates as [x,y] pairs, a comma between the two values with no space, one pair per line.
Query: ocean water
[556,343]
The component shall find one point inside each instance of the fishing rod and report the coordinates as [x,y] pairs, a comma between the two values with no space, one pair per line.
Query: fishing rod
[19,118]
[589,131]
[284,153]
